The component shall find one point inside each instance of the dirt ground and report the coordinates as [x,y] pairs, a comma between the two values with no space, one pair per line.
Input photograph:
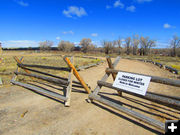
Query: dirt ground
[23,112]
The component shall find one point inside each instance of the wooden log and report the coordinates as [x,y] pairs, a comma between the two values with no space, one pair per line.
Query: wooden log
[88,66]
[125,110]
[159,64]
[17,70]
[44,73]
[49,79]
[111,66]
[45,67]
[40,90]
[153,78]
[104,78]
[113,75]
[19,62]
[69,87]
[172,69]
[149,96]
[77,74]
[173,97]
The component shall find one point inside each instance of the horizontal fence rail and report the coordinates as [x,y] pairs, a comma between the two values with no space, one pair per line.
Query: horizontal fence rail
[149,96]
[49,79]
[44,67]
[44,73]
[132,113]
[40,90]
[153,78]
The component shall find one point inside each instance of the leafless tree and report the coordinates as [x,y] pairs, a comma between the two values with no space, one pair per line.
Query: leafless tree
[135,44]
[45,45]
[175,44]
[91,47]
[108,46]
[85,43]
[146,45]
[128,45]
[119,43]
[65,46]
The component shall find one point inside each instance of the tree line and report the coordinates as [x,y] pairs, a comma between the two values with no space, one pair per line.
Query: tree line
[134,45]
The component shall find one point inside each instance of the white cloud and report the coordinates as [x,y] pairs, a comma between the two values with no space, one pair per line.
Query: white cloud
[68,32]
[142,1]
[108,7]
[58,38]
[19,43]
[22,3]
[167,26]
[94,34]
[118,3]
[74,11]
[131,8]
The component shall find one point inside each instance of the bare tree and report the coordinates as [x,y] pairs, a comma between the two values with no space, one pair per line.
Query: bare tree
[108,46]
[85,43]
[128,45]
[45,45]
[119,43]
[66,46]
[175,43]
[135,44]
[146,45]
[91,47]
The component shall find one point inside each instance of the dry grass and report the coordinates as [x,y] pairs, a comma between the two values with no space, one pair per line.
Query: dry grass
[8,65]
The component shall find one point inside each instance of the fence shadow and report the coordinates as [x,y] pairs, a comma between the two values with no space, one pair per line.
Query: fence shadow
[128,119]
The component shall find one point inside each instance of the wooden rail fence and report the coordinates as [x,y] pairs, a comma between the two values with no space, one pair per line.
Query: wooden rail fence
[170,101]
[67,83]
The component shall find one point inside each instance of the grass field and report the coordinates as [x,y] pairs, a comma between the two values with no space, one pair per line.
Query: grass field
[8,65]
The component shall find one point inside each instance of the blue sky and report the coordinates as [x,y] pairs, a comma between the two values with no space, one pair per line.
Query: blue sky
[25,23]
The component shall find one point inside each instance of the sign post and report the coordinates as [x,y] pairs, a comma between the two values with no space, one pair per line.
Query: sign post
[131,82]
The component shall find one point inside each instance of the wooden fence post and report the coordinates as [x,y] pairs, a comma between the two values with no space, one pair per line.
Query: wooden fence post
[69,87]
[113,75]
[17,69]
[77,75]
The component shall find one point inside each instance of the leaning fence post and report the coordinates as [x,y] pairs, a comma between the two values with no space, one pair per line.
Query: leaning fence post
[69,87]
[19,62]
[113,75]
[77,74]
[17,69]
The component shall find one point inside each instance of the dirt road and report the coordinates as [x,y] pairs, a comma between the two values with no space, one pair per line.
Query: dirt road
[22,112]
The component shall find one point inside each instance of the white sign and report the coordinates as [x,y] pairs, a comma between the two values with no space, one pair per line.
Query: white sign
[132,82]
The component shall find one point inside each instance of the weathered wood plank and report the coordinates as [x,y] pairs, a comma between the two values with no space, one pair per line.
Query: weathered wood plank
[149,96]
[49,79]
[69,87]
[153,78]
[44,73]
[45,67]
[113,75]
[104,78]
[17,70]
[132,113]
[40,90]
